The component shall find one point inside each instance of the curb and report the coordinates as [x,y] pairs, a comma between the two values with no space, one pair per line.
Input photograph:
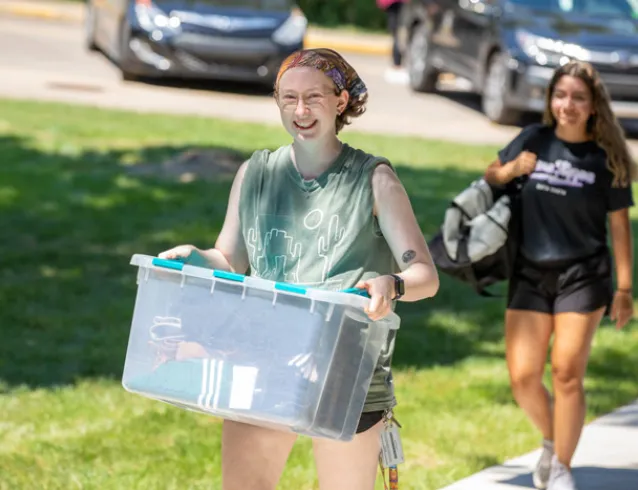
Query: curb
[312,40]
[39,13]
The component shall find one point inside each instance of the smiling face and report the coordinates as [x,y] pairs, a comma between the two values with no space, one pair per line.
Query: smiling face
[571,103]
[309,104]
[578,102]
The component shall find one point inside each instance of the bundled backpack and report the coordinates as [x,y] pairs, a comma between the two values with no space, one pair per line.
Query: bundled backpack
[478,238]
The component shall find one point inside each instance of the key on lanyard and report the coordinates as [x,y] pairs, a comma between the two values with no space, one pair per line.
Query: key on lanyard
[391,451]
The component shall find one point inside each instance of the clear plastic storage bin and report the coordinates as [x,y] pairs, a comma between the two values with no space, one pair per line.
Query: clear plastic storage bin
[252,350]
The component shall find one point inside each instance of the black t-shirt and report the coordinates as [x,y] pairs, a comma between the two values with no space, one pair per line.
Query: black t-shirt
[566,199]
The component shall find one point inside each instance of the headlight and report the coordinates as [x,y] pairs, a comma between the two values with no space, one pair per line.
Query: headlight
[293,30]
[548,51]
[151,18]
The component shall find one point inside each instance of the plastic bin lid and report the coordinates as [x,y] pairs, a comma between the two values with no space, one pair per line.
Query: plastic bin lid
[352,297]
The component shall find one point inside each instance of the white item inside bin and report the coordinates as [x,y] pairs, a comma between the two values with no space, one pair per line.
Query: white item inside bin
[241,394]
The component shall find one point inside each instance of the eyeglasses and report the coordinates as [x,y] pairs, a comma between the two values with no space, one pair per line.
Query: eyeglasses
[290,101]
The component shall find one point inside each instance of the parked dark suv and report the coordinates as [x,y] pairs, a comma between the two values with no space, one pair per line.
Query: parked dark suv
[508,49]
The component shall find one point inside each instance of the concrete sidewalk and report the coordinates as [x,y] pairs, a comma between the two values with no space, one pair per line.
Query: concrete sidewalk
[606,459]
[340,40]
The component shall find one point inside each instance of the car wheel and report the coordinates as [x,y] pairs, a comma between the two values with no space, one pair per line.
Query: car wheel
[126,75]
[90,23]
[494,95]
[423,76]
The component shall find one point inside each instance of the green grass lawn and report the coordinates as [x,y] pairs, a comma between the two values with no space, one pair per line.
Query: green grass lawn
[71,216]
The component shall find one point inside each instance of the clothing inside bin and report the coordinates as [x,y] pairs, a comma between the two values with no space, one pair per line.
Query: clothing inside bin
[240,336]
[285,388]
[228,379]
[211,385]
[165,336]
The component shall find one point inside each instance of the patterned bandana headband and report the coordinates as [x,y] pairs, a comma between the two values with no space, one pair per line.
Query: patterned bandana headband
[332,65]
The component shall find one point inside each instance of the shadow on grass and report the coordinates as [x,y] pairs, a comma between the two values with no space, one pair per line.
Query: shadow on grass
[70,224]
[71,220]
[457,322]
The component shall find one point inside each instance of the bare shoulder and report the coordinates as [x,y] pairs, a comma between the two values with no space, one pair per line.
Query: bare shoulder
[385,179]
[387,189]
[239,177]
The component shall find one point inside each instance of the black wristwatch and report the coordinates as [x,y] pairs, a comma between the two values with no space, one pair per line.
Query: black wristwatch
[399,287]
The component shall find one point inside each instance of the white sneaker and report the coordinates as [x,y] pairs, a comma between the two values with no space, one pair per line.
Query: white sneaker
[560,477]
[544,466]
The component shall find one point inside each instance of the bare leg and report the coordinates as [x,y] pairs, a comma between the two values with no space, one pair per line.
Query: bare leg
[253,457]
[527,335]
[349,465]
[572,344]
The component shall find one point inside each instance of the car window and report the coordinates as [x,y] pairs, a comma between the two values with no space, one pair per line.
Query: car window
[615,8]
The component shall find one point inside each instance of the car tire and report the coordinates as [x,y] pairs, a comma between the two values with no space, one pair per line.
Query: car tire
[90,23]
[125,75]
[494,96]
[423,77]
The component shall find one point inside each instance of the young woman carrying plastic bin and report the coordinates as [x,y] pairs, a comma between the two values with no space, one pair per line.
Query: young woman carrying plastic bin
[323,214]
[576,172]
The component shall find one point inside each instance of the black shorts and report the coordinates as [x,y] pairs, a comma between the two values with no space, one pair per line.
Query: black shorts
[369,420]
[581,286]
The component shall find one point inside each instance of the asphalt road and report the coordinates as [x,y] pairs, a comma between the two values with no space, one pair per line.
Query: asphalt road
[46,60]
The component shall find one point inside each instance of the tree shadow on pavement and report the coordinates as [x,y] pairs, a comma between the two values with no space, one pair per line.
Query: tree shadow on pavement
[589,478]
[222,86]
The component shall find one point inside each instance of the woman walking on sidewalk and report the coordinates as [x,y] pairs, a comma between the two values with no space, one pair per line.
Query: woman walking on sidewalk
[576,173]
[320,213]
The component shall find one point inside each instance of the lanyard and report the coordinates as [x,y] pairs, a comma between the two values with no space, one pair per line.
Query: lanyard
[393,477]
[389,442]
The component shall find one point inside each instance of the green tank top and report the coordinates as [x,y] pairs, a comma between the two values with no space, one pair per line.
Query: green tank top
[318,233]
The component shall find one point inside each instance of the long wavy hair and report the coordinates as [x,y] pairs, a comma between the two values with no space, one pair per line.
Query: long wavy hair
[602,126]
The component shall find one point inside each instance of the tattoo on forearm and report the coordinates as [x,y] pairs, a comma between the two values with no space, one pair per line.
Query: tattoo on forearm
[409,256]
